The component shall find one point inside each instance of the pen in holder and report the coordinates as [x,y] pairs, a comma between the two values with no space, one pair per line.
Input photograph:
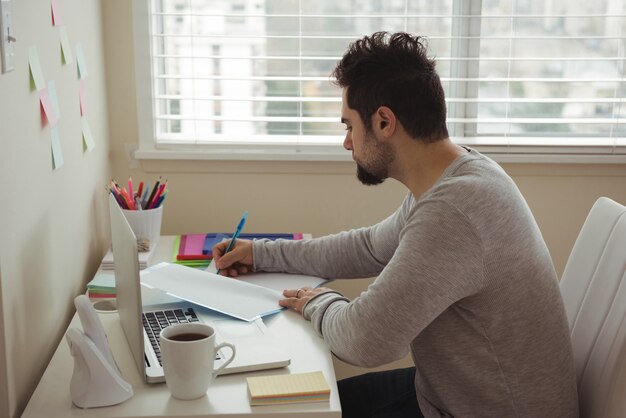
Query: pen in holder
[143,211]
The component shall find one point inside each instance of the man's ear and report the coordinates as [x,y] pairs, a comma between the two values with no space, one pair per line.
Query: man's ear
[384,121]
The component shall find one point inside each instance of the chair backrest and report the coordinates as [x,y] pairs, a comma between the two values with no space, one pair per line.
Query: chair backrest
[594,291]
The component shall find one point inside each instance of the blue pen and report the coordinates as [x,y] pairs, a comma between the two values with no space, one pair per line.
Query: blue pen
[242,222]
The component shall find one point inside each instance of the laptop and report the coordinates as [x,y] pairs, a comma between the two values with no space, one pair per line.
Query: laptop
[257,349]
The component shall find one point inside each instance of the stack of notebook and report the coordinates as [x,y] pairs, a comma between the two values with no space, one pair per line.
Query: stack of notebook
[102,286]
[144,259]
[288,388]
[194,250]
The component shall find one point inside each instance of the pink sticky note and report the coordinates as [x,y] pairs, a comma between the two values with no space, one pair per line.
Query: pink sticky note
[82,92]
[57,18]
[44,97]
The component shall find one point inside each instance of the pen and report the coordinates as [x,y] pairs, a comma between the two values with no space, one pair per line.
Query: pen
[127,199]
[139,190]
[161,199]
[145,196]
[154,190]
[242,222]
[157,196]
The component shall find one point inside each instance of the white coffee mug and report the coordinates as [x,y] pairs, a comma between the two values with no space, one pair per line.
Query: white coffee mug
[188,354]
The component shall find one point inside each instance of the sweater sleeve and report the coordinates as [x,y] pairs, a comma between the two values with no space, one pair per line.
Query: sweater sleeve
[438,261]
[357,253]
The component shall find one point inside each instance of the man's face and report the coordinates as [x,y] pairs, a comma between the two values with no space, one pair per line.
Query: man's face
[371,155]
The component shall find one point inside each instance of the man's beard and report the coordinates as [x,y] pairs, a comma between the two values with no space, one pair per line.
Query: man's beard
[368,178]
[381,157]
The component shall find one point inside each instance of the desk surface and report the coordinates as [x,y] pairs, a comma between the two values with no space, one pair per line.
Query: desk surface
[227,396]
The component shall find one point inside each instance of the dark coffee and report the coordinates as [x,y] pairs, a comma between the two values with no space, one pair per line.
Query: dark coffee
[188,336]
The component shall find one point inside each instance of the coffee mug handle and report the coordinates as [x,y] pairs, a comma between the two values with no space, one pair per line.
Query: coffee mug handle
[227,362]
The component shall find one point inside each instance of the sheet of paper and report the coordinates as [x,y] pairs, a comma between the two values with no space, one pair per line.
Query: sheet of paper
[87,137]
[282,281]
[222,294]
[66,48]
[82,63]
[35,68]
[103,280]
[277,281]
[57,153]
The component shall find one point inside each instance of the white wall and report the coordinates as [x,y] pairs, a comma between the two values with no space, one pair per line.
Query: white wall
[53,222]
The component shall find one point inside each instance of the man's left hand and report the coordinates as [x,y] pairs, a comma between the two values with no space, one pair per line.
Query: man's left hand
[297,298]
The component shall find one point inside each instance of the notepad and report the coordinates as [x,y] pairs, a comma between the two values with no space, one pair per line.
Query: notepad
[288,388]
[102,286]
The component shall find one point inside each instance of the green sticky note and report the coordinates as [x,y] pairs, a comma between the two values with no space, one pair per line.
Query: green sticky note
[87,137]
[57,153]
[35,68]
[54,99]
[82,63]
[66,48]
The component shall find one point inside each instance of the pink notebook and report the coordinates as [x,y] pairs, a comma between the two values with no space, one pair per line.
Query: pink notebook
[191,247]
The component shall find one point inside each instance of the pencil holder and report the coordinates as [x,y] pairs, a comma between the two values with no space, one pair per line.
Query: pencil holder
[146,224]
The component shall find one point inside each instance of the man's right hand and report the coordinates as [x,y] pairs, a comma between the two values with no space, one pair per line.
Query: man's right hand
[237,261]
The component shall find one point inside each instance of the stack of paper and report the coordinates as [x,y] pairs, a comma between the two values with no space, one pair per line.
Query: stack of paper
[188,251]
[102,286]
[144,259]
[288,388]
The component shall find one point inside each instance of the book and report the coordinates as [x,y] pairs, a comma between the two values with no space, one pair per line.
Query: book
[102,286]
[198,246]
[191,246]
[187,259]
[144,259]
[288,388]
[194,250]
[212,239]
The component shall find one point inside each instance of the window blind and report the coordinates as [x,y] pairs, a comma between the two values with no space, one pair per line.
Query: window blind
[525,73]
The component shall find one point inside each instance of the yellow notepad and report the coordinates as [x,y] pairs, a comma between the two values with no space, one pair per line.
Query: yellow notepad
[288,388]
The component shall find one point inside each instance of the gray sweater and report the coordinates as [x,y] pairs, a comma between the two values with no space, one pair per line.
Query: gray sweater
[465,281]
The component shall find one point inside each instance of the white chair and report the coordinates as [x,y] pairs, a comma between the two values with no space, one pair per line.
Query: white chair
[594,291]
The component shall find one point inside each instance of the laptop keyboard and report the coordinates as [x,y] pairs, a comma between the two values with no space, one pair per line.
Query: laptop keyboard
[154,322]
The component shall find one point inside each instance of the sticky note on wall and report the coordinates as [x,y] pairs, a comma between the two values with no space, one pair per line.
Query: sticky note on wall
[57,153]
[35,68]
[82,63]
[66,48]
[87,137]
[57,17]
[54,99]
[46,103]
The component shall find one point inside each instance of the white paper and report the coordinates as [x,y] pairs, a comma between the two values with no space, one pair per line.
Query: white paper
[282,281]
[277,281]
[235,298]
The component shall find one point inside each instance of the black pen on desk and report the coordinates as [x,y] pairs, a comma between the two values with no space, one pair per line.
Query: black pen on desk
[231,244]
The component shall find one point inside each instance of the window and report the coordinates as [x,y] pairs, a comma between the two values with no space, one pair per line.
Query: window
[251,78]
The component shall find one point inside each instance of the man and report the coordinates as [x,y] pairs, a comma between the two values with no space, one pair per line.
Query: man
[464,278]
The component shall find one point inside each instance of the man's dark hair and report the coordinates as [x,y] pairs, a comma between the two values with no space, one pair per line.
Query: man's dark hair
[393,70]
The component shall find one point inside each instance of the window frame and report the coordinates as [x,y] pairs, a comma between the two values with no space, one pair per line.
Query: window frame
[612,151]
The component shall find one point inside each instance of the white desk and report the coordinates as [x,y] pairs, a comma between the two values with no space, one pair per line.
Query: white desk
[226,397]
